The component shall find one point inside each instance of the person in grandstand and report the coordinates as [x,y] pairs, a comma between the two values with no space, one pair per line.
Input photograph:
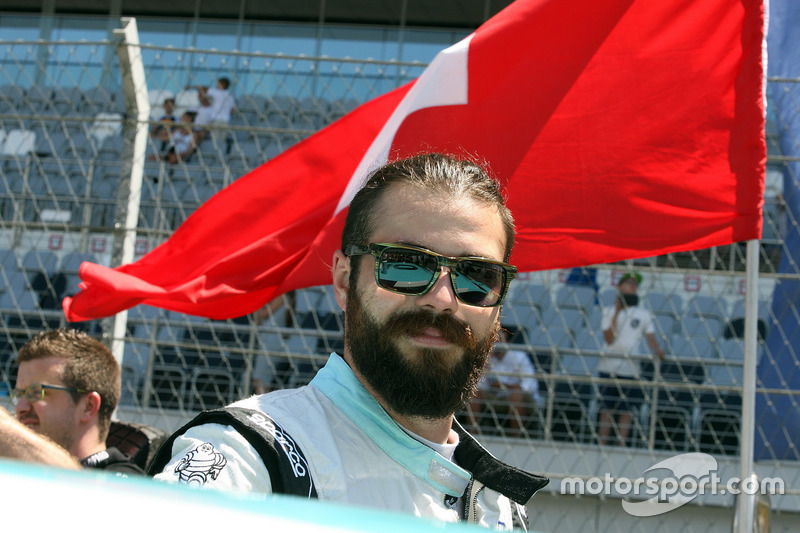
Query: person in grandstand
[223,102]
[68,385]
[509,388]
[421,275]
[203,117]
[624,325]
[180,141]
[165,121]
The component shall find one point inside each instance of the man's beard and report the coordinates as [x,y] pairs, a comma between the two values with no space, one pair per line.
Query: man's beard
[429,384]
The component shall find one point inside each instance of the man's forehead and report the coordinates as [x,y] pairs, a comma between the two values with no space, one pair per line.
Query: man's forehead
[405,200]
[52,365]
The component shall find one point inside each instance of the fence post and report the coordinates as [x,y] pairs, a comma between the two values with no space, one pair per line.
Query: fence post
[135,133]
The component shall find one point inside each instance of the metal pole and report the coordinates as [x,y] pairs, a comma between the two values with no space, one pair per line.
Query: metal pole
[135,131]
[745,511]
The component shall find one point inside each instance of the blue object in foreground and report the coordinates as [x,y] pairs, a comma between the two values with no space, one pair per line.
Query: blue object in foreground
[54,498]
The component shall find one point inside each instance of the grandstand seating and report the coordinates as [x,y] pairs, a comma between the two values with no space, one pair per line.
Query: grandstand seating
[573,413]
[581,297]
[674,407]
[706,306]
[663,304]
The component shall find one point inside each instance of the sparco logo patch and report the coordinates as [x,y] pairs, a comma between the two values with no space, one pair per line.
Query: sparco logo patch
[298,462]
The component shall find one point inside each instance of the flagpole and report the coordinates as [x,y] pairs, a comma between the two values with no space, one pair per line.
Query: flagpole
[746,508]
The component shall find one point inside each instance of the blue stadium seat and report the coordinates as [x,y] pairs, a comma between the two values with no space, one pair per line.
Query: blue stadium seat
[573,399]
[666,329]
[573,320]
[521,315]
[37,101]
[607,296]
[575,297]
[70,265]
[311,113]
[252,108]
[237,164]
[700,326]
[588,340]
[67,101]
[693,348]
[96,100]
[675,407]
[708,306]
[717,423]
[663,304]
[279,112]
[12,98]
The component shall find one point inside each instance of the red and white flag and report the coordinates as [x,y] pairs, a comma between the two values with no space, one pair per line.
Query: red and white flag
[620,129]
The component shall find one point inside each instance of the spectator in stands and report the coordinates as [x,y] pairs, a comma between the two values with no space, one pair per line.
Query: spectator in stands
[68,385]
[376,425]
[165,120]
[204,117]
[624,325]
[180,141]
[222,101]
[509,387]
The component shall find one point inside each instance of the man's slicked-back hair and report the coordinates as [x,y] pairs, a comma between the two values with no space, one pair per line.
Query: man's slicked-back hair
[90,366]
[434,173]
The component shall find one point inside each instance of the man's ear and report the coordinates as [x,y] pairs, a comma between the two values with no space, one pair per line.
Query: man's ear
[341,277]
[91,405]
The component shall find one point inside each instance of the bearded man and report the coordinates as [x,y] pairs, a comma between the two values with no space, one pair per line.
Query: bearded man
[421,275]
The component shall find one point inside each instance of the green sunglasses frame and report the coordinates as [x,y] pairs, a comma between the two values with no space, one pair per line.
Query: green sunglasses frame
[377,249]
[16,394]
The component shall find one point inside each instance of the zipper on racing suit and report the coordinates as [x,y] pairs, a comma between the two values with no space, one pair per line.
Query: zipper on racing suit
[471,501]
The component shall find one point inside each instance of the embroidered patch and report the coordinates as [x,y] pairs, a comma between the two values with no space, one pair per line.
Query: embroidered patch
[199,464]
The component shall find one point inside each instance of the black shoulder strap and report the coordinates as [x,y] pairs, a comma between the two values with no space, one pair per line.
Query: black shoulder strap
[519,486]
[285,462]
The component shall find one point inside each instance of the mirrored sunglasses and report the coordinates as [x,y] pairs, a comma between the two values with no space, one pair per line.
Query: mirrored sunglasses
[413,271]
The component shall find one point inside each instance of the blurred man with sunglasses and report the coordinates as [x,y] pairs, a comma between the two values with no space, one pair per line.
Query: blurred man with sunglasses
[421,274]
[68,385]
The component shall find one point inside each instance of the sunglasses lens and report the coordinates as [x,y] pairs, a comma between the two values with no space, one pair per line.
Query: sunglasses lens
[479,283]
[406,271]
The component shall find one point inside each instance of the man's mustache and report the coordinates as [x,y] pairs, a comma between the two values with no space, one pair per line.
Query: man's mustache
[416,322]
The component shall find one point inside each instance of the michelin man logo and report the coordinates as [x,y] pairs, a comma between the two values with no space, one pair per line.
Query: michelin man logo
[199,464]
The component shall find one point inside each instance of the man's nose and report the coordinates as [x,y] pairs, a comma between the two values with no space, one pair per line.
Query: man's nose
[441,296]
[22,406]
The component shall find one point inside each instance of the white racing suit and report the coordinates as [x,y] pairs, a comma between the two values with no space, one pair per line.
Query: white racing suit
[333,441]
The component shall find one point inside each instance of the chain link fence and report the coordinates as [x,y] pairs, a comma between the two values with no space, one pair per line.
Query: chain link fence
[63,124]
